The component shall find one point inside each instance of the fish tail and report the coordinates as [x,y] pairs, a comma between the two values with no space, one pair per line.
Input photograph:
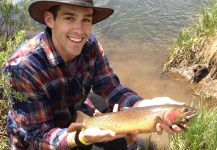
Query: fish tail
[81,116]
[75,127]
[78,125]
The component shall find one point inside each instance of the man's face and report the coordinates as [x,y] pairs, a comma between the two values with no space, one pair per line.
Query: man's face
[70,30]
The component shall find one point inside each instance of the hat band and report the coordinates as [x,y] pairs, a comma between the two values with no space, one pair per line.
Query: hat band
[81,3]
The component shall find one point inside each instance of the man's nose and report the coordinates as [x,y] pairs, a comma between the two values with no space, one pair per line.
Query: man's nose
[78,27]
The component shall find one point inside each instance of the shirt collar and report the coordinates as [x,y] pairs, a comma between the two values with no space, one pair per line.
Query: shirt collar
[53,56]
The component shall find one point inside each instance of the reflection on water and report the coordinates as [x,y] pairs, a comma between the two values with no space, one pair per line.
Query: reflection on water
[136,38]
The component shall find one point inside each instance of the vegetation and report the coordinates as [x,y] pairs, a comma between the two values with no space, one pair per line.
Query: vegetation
[196,44]
[201,135]
[14,21]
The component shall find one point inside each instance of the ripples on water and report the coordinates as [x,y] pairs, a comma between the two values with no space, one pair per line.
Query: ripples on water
[149,21]
[136,38]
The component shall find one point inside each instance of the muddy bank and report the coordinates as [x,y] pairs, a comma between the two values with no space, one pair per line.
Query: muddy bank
[200,70]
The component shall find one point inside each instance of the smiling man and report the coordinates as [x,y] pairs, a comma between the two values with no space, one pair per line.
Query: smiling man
[70,29]
[56,70]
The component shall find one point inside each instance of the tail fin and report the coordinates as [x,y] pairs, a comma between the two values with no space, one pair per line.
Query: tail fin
[75,127]
[81,116]
[78,125]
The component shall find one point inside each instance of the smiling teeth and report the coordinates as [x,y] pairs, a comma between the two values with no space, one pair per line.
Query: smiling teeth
[75,40]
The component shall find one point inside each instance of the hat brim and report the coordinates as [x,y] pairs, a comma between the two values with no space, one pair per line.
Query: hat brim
[37,10]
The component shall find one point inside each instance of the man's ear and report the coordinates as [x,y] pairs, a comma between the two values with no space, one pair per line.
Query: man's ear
[49,19]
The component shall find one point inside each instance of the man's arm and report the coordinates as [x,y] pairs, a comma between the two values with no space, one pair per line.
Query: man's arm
[34,115]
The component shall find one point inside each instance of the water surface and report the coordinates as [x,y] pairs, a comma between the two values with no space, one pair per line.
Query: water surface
[136,39]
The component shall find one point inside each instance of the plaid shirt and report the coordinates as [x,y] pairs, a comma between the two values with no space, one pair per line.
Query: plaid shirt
[55,90]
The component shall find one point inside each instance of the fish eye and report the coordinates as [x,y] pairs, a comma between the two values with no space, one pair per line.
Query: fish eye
[185,109]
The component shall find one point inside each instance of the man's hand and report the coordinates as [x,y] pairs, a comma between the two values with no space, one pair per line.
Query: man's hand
[96,135]
[162,101]
[175,129]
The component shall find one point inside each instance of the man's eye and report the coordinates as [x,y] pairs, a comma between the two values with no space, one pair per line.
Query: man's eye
[70,18]
[87,20]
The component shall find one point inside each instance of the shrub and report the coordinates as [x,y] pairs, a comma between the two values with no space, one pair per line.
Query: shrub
[14,21]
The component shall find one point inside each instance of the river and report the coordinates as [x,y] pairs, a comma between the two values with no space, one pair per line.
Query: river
[136,39]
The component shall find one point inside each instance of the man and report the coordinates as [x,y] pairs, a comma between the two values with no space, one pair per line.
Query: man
[56,70]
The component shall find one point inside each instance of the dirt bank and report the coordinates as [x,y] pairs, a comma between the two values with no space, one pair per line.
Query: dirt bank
[200,69]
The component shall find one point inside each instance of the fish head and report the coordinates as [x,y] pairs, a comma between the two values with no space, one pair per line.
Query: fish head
[179,115]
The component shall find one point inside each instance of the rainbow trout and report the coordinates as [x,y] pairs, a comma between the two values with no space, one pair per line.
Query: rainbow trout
[141,119]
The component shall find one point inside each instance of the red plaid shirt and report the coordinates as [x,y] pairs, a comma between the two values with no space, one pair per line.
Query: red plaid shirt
[55,90]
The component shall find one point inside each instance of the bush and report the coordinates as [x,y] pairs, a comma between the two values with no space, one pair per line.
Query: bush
[14,21]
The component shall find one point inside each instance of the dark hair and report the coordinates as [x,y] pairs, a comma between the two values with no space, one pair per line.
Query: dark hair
[54,11]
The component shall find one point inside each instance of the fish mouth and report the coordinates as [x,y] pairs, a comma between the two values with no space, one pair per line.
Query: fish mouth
[191,116]
[188,116]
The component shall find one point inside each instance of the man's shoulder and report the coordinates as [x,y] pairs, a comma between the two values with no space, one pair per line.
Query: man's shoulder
[92,39]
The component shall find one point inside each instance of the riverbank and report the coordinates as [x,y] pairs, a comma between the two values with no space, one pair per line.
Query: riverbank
[194,55]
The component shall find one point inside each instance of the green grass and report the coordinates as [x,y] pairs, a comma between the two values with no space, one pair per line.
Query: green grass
[194,46]
[193,40]
[201,135]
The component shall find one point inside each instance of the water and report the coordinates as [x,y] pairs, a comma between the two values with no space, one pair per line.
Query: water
[136,38]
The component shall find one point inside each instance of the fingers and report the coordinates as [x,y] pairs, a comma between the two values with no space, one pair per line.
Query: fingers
[130,138]
[115,108]
[159,130]
[97,113]
[95,135]
[134,135]
[175,129]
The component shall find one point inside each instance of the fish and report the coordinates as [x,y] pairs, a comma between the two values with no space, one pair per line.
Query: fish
[140,119]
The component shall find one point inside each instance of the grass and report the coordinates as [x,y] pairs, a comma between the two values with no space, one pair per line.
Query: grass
[196,44]
[192,41]
[201,135]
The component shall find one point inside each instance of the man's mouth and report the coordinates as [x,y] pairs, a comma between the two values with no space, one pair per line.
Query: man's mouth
[75,39]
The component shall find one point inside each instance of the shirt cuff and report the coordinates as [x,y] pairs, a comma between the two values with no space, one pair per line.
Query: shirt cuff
[63,145]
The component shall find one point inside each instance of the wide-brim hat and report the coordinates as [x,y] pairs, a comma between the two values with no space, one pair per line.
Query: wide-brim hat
[38,8]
